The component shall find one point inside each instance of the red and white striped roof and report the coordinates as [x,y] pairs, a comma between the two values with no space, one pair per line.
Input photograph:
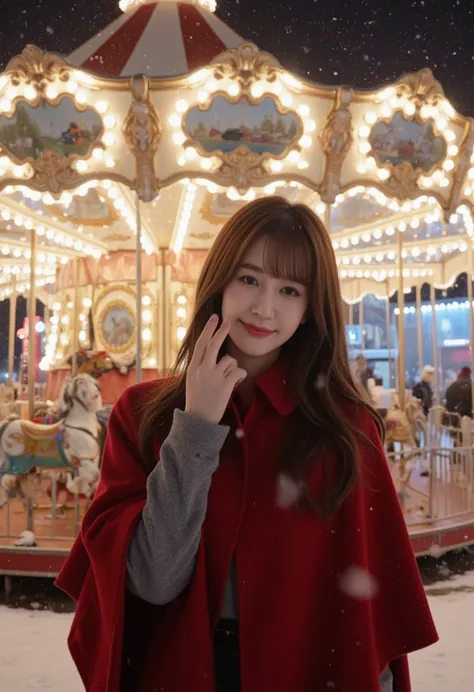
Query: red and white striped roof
[158,38]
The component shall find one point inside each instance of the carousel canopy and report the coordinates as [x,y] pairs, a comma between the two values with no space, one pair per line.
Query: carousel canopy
[161,38]
[391,171]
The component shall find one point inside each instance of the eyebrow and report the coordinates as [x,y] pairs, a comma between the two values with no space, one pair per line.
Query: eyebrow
[252,267]
[260,270]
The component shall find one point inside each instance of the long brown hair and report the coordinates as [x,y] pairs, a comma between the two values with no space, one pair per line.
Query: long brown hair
[297,246]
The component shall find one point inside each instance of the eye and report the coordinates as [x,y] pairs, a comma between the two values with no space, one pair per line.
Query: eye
[290,291]
[249,280]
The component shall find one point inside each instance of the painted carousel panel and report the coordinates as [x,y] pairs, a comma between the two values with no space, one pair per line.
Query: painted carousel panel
[224,126]
[399,141]
[63,129]
[117,326]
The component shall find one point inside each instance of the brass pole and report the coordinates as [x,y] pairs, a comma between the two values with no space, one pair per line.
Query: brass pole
[470,263]
[401,325]
[32,327]
[138,256]
[419,328]
[167,322]
[159,318]
[11,333]
[75,326]
[434,337]
[389,337]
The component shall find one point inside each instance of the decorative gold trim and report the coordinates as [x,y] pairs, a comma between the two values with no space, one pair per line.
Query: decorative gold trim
[54,173]
[205,212]
[246,65]
[190,173]
[382,187]
[111,288]
[461,170]
[71,183]
[38,68]
[117,238]
[111,348]
[142,130]
[420,87]
[108,221]
[336,139]
[242,168]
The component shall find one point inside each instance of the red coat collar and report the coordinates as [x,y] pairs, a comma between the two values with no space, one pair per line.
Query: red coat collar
[273,383]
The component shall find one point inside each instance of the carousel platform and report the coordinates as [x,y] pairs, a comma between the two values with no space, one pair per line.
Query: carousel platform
[54,538]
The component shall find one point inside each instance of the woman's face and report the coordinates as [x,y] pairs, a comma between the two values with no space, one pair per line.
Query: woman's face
[264,311]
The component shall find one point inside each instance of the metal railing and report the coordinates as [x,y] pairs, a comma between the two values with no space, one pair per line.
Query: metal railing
[434,482]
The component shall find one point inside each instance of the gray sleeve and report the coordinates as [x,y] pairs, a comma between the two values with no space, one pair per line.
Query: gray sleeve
[163,549]
[386,680]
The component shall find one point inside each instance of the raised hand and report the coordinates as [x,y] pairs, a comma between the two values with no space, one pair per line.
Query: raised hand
[209,384]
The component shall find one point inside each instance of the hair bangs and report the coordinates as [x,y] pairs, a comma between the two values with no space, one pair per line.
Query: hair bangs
[288,254]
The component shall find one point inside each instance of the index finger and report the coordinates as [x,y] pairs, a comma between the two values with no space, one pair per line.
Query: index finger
[204,339]
[216,342]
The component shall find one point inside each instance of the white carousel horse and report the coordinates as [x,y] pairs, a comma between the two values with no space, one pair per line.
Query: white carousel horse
[403,425]
[32,452]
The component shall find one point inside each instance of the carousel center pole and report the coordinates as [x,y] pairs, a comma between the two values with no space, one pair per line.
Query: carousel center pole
[32,328]
[11,333]
[138,292]
[470,264]
[401,325]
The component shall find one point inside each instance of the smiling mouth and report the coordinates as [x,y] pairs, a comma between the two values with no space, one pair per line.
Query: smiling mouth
[256,331]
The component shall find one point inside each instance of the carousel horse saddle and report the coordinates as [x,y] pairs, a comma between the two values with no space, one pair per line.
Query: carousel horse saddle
[36,431]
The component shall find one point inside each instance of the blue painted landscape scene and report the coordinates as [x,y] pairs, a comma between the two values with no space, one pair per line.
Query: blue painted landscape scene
[225,126]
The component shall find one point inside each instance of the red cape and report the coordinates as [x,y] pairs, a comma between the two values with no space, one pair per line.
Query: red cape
[322,604]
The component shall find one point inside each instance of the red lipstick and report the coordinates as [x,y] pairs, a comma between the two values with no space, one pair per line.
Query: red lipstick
[256,331]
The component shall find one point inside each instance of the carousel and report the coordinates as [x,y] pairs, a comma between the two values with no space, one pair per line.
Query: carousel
[118,166]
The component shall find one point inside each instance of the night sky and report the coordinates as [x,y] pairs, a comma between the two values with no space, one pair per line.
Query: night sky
[363,43]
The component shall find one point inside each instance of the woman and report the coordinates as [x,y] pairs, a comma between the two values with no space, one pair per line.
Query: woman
[246,534]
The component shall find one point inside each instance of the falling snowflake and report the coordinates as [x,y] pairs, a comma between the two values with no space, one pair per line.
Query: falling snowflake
[288,491]
[49,30]
[239,433]
[358,583]
[321,381]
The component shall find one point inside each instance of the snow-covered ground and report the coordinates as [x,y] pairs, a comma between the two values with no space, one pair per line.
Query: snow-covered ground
[33,654]
[448,666]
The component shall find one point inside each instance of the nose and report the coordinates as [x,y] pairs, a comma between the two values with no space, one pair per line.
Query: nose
[263,304]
